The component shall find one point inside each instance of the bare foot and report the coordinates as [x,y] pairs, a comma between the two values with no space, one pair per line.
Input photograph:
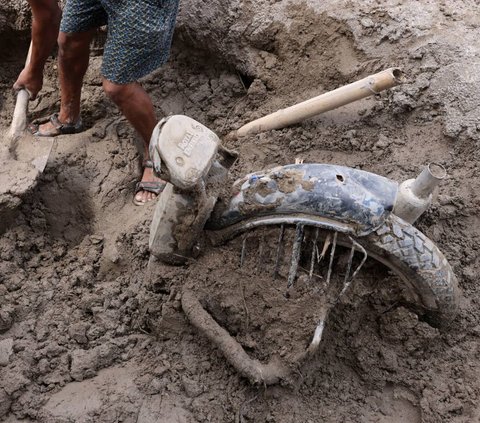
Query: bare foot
[149,181]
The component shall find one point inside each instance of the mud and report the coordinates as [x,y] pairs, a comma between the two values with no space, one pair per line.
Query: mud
[88,334]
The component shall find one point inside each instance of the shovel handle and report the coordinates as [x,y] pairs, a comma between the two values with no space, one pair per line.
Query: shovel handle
[19,120]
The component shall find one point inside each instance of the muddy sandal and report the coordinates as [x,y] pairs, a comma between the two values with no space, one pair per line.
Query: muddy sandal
[153,186]
[59,128]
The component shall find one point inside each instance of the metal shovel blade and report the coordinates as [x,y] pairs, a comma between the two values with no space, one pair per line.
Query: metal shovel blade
[34,150]
[20,168]
[23,158]
[23,146]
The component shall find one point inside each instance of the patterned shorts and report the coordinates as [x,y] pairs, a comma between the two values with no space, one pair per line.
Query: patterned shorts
[139,33]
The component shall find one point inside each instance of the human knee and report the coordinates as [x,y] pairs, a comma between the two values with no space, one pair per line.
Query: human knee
[116,92]
[74,45]
[65,42]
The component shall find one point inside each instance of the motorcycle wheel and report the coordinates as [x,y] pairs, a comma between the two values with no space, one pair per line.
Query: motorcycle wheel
[404,249]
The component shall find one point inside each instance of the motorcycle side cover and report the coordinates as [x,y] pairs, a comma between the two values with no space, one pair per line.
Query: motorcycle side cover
[345,199]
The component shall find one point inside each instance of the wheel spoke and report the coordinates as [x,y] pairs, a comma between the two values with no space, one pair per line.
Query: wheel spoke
[314,251]
[349,265]
[332,254]
[244,250]
[279,252]
[364,259]
[296,250]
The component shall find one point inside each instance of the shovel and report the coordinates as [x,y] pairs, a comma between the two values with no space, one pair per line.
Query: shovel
[24,147]
[23,158]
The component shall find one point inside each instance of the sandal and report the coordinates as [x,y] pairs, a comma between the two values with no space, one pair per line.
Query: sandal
[152,186]
[59,128]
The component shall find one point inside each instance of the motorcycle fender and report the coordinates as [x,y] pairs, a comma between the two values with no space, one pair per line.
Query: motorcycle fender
[359,201]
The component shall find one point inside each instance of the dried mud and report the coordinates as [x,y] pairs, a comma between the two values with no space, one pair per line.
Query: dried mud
[88,334]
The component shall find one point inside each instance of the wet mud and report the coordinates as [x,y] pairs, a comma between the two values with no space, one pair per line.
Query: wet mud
[90,333]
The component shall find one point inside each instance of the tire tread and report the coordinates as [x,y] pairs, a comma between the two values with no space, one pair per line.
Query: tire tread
[423,264]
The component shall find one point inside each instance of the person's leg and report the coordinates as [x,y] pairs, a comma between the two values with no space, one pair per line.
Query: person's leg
[137,107]
[135,104]
[73,57]
[80,19]
[45,24]
[138,42]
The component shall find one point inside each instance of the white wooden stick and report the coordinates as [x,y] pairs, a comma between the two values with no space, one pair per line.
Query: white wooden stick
[368,86]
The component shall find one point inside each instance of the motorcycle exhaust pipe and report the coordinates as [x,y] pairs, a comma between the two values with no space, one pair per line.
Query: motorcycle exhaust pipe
[415,195]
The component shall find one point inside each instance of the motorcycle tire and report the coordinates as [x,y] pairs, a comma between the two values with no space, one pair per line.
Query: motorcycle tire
[405,250]
[421,265]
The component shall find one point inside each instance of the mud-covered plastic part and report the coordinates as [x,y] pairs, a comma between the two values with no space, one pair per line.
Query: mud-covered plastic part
[359,200]
[182,150]
[177,224]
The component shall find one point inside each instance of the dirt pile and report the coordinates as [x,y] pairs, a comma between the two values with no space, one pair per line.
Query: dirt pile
[88,335]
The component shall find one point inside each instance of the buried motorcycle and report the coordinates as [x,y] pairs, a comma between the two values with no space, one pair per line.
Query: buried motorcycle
[318,210]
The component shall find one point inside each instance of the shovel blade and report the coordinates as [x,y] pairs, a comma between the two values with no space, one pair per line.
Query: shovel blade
[34,150]
[19,173]
[25,147]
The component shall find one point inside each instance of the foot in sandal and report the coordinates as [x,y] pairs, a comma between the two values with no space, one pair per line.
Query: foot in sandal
[149,187]
[51,126]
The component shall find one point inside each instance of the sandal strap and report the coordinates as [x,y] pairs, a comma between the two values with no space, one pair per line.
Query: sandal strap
[148,164]
[56,122]
[44,119]
[156,187]
[59,128]
[67,127]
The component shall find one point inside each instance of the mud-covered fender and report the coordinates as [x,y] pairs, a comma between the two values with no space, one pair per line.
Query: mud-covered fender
[359,200]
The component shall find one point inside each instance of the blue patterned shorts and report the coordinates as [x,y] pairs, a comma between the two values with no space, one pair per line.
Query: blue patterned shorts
[139,33]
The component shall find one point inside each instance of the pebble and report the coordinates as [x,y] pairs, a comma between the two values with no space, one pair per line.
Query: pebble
[160,370]
[6,320]
[191,387]
[367,23]
[6,350]
[156,386]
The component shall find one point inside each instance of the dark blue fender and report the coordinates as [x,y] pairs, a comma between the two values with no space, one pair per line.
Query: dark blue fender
[358,201]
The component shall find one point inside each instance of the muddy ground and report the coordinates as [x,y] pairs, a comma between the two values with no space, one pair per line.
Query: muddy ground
[87,334]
